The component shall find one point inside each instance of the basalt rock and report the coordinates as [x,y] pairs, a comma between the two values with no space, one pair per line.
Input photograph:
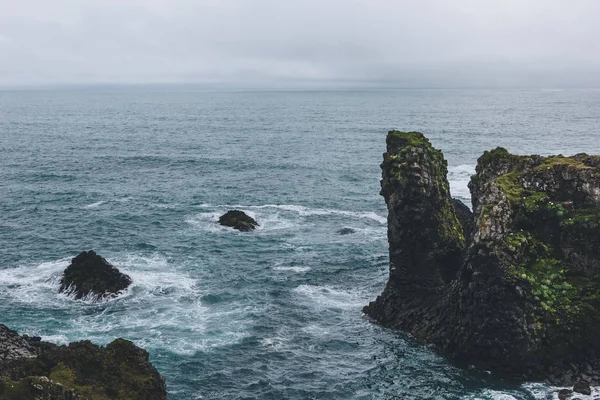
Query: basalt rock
[239,220]
[465,217]
[33,369]
[90,275]
[519,295]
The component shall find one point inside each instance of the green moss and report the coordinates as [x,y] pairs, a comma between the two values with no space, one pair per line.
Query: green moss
[509,183]
[491,156]
[66,377]
[553,161]
[402,157]
[551,291]
[402,139]
[15,390]
[582,218]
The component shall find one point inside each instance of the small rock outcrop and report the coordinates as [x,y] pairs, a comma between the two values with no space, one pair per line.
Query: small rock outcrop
[33,369]
[514,288]
[239,220]
[91,276]
[346,231]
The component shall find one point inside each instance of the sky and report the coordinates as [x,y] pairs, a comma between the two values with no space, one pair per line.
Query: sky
[387,43]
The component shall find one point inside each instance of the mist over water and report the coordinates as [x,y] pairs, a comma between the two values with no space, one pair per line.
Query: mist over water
[141,176]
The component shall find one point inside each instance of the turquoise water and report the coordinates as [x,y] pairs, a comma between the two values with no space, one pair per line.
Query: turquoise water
[141,174]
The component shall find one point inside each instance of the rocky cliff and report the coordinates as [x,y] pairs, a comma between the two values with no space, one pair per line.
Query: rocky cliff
[513,288]
[33,369]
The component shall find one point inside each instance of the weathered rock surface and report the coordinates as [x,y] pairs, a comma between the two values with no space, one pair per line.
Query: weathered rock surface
[582,388]
[465,217]
[33,369]
[90,275]
[239,220]
[520,295]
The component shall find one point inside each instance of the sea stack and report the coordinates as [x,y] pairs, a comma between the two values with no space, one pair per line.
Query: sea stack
[239,220]
[91,276]
[517,291]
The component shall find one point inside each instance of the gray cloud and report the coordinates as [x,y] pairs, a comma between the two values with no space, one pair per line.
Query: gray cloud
[427,43]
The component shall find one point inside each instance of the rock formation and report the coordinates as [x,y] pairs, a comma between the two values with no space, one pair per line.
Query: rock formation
[239,220]
[33,369]
[90,275]
[518,291]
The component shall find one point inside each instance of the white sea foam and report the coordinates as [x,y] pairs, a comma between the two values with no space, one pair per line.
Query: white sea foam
[56,339]
[271,216]
[94,205]
[33,284]
[541,391]
[496,395]
[306,211]
[459,177]
[326,297]
[293,269]
[162,299]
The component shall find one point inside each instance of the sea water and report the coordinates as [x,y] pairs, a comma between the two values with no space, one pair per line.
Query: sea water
[141,175]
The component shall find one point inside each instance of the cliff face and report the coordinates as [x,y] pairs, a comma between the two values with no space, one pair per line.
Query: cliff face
[519,294]
[32,369]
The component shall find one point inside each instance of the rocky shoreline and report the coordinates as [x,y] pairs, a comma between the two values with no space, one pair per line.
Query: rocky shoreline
[512,289]
[33,369]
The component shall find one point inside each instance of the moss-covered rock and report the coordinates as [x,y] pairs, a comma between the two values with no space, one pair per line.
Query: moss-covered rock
[81,370]
[426,238]
[526,300]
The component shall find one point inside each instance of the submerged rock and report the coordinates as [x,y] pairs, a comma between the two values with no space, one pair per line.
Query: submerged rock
[90,275]
[33,369]
[520,294]
[564,394]
[346,231]
[239,220]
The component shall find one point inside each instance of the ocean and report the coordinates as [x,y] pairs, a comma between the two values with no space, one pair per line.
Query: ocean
[141,175]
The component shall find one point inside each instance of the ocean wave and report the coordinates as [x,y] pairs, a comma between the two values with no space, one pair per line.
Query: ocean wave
[94,205]
[293,269]
[162,309]
[327,297]
[33,284]
[272,216]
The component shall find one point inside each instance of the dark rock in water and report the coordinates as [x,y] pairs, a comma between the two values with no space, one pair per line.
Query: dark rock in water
[91,275]
[520,294]
[582,388]
[346,231]
[564,394]
[238,220]
[465,217]
[33,369]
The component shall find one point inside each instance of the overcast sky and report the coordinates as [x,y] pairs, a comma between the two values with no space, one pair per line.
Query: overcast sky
[416,43]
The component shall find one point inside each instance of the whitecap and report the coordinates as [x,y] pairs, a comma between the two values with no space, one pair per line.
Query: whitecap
[327,297]
[293,269]
[94,205]
[33,284]
[273,220]
[56,339]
